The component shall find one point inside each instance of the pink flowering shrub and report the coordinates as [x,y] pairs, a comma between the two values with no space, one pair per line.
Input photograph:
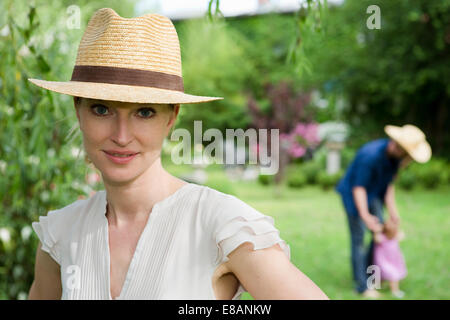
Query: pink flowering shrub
[296,142]
[287,113]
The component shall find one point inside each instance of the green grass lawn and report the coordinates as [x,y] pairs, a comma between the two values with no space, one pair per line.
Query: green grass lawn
[313,223]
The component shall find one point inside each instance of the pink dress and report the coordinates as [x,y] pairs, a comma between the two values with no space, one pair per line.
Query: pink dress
[389,258]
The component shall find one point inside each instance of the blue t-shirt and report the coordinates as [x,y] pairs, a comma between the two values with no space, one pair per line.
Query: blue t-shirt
[372,169]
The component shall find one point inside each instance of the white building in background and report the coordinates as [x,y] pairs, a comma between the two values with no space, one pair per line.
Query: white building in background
[189,9]
[334,134]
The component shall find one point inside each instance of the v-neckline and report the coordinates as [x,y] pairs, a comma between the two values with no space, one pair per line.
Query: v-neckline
[133,257]
[139,243]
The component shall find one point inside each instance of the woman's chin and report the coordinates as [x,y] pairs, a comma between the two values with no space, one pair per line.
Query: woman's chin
[116,176]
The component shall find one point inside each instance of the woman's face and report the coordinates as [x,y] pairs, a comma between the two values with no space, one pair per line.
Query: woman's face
[109,126]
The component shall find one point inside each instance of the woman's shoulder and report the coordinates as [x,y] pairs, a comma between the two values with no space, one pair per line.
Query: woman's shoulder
[76,208]
[58,220]
[213,195]
[217,208]
[231,222]
[214,199]
[53,228]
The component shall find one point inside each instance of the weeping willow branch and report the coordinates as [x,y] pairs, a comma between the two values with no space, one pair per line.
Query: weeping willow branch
[310,25]
[217,14]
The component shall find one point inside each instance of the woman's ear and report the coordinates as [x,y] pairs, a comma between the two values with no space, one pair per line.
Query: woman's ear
[175,108]
[173,117]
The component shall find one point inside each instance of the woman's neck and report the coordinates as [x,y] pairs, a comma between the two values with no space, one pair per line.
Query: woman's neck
[134,201]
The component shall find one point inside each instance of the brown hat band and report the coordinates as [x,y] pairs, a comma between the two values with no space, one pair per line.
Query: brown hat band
[132,77]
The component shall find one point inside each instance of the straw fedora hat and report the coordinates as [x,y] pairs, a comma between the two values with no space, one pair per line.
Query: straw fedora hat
[130,60]
[412,139]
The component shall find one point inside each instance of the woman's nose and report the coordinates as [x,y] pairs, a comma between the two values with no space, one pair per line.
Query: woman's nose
[123,134]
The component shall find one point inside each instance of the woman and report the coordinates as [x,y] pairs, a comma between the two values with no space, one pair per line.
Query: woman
[149,235]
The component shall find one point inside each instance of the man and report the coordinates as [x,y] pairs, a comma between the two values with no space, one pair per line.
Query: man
[368,184]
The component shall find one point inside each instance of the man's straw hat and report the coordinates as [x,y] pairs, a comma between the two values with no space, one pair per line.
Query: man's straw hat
[130,60]
[412,139]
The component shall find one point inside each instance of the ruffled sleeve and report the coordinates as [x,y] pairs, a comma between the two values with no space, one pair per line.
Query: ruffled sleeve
[239,223]
[44,232]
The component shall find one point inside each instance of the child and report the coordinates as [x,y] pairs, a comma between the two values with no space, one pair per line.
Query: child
[389,258]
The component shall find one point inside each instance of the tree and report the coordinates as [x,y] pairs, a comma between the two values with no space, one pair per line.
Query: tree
[397,74]
[287,113]
[39,160]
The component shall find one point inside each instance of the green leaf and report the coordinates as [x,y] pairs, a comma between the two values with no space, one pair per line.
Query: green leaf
[31,15]
[43,65]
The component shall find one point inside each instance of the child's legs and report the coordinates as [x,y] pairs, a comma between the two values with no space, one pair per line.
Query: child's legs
[395,286]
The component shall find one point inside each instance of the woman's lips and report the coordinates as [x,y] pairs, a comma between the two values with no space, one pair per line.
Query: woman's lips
[120,160]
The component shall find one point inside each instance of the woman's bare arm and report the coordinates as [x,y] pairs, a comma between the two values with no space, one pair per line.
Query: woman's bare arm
[47,278]
[267,274]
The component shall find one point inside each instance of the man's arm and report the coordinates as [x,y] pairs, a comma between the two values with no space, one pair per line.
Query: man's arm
[389,200]
[365,165]
[268,274]
[360,197]
[47,278]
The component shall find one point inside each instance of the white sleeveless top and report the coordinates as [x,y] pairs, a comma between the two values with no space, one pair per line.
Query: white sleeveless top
[187,236]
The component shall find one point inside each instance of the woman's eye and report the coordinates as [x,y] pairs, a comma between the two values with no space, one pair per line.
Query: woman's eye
[146,112]
[101,109]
